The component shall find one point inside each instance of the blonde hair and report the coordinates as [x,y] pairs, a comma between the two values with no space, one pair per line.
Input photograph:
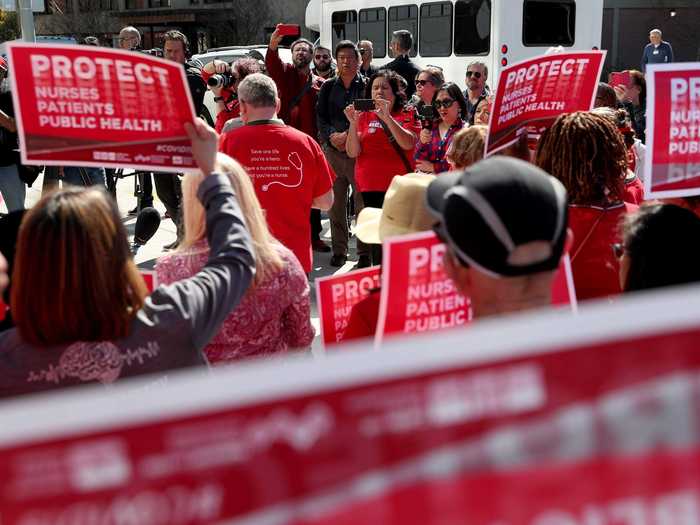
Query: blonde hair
[267,259]
[467,146]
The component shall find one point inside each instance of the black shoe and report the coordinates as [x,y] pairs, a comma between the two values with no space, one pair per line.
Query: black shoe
[364,262]
[135,211]
[171,246]
[338,260]
[319,246]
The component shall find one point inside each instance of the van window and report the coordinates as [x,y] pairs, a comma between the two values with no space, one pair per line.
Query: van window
[405,17]
[343,27]
[549,23]
[436,29]
[373,28]
[472,27]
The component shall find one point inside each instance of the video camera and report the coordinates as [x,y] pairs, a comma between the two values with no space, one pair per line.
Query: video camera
[427,116]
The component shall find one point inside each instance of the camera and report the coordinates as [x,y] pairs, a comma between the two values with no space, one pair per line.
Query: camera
[155,52]
[221,81]
[427,115]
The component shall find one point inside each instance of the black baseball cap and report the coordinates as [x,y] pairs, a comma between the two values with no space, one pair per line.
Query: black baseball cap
[504,216]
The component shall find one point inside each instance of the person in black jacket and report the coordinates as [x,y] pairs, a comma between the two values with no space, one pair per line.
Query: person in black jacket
[176,48]
[401,43]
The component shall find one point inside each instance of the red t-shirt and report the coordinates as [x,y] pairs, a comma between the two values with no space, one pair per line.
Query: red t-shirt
[378,161]
[289,171]
[634,190]
[363,317]
[594,265]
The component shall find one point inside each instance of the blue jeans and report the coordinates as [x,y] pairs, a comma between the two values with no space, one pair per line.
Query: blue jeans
[12,188]
[93,176]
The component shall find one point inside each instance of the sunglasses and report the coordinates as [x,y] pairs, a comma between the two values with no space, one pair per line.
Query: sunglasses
[444,103]
[474,74]
[422,82]
[364,51]
[618,250]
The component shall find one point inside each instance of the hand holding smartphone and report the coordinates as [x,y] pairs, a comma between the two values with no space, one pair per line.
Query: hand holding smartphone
[364,104]
[289,30]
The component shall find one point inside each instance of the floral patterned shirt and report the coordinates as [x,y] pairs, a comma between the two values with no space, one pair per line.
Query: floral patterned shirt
[273,316]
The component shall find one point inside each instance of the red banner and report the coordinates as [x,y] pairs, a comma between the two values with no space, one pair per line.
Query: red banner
[532,93]
[672,166]
[93,106]
[417,295]
[563,288]
[337,294]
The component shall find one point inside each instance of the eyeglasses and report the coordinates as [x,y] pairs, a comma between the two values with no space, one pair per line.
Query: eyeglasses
[422,82]
[444,103]
[474,74]
[322,57]
[618,250]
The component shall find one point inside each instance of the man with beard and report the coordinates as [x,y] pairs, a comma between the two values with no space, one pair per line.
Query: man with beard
[323,63]
[298,91]
[475,79]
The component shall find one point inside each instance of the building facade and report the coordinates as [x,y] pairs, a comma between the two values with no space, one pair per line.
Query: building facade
[207,23]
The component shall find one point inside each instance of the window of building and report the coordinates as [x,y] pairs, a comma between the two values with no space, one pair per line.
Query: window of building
[436,29]
[472,27]
[405,17]
[344,27]
[130,4]
[158,3]
[108,5]
[373,28]
[549,23]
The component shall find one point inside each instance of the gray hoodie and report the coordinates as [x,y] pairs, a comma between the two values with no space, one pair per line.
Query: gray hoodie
[168,333]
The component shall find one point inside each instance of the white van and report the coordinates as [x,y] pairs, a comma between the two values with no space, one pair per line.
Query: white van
[452,33]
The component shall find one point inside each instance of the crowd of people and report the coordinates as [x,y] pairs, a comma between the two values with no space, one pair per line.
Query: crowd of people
[403,143]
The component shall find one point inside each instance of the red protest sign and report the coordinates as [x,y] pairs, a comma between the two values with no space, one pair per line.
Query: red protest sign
[417,295]
[337,294]
[150,277]
[620,78]
[672,165]
[548,399]
[94,106]
[532,93]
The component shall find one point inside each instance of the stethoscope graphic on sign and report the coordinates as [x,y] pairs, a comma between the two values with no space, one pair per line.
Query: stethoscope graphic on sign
[295,161]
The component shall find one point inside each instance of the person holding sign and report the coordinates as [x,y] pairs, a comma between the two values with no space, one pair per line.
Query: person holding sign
[380,139]
[504,222]
[587,154]
[450,105]
[99,326]
[274,315]
[404,212]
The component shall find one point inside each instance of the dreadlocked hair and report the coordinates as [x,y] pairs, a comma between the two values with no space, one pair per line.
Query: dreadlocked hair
[587,154]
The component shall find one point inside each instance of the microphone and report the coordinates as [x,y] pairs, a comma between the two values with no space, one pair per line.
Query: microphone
[147,223]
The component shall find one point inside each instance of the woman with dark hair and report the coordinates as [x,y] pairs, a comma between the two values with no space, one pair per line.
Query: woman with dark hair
[451,107]
[587,154]
[80,306]
[226,98]
[381,140]
[660,247]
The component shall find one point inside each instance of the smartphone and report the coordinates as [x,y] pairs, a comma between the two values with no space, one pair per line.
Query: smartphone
[364,104]
[622,78]
[289,29]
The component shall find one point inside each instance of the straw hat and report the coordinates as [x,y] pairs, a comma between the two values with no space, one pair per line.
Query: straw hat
[404,210]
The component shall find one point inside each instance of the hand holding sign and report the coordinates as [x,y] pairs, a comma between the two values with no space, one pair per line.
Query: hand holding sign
[90,106]
[205,142]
